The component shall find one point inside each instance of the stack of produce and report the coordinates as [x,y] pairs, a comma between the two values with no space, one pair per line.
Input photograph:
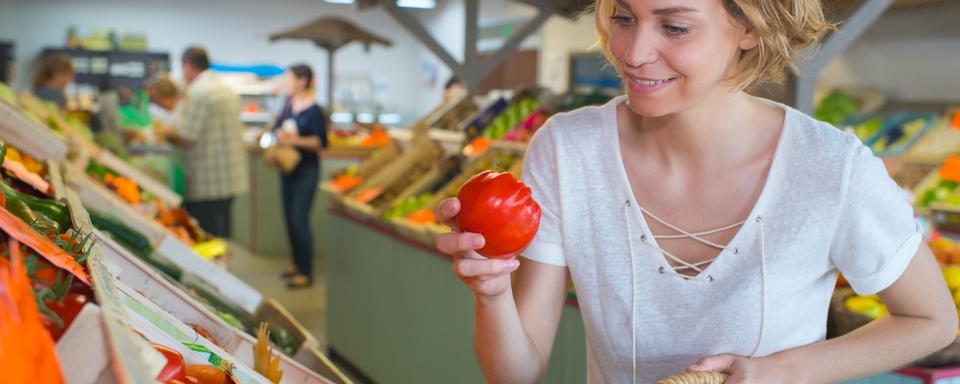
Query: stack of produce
[39,232]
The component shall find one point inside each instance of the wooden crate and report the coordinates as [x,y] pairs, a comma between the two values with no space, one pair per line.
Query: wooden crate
[146,182]
[162,327]
[82,350]
[173,299]
[490,159]
[449,115]
[29,136]
[316,360]
[396,178]
[380,159]
[935,146]
[97,197]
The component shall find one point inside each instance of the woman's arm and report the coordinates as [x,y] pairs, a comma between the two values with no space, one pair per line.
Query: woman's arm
[515,323]
[310,143]
[923,319]
[515,331]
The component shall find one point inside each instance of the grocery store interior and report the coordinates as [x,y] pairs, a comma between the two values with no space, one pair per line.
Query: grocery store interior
[299,245]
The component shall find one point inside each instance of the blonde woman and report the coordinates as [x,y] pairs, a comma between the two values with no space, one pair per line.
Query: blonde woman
[703,227]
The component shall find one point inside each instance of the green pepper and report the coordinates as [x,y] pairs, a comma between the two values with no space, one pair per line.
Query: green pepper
[54,211]
[20,209]
[3,152]
[132,240]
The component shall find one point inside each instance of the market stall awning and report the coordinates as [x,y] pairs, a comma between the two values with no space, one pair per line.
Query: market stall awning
[331,33]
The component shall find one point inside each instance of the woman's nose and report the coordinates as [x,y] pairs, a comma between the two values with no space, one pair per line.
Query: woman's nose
[642,50]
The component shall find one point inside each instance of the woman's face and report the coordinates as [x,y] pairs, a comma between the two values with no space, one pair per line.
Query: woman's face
[672,54]
[293,83]
[61,80]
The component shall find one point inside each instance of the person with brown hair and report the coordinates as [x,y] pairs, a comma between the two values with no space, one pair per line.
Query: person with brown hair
[52,77]
[301,125]
[704,227]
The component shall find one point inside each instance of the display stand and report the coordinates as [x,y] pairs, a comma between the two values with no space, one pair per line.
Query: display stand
[167,295]
[147,183]
[134,361]
[30,136]
[82,350]
[213,277]
[397,314]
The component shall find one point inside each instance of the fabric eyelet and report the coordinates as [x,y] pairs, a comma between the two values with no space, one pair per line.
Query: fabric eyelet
[710,279]
[736,251]
[759,219]
[662,270]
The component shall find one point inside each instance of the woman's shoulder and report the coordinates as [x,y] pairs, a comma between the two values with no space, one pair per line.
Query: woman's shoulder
[819,140]
[580,125]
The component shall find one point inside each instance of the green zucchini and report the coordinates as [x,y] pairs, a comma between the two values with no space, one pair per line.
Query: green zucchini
[132,240]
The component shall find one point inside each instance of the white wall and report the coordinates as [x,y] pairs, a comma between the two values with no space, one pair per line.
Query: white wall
[234,32]
[560,38]
[909,54]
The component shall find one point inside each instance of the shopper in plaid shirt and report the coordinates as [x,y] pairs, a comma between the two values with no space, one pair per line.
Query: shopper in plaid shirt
[209,130]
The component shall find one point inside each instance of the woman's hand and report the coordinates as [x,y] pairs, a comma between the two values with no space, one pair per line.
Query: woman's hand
[486,277]
[741,369]
[285,137]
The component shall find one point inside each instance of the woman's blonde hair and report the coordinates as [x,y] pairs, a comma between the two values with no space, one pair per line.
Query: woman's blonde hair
[162,87]
[784,28]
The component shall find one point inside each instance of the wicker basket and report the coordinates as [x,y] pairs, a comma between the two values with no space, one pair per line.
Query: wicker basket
[695,378]
[847,321]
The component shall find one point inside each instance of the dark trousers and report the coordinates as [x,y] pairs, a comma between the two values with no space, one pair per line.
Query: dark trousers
[297,190]
[213,215]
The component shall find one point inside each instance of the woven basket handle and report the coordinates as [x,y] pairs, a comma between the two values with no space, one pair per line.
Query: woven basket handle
[695,378]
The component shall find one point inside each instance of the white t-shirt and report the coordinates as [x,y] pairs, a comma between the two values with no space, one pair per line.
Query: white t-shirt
[828,205]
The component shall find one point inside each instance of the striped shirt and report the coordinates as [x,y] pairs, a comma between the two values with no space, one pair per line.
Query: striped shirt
[215,166]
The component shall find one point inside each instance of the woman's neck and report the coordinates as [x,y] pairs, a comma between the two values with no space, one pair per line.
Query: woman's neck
[720,129]
[300,100]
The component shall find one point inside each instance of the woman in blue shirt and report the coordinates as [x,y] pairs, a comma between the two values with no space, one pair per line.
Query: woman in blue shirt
[303,126]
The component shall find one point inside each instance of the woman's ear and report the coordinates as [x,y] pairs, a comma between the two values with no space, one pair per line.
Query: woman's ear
[749,40]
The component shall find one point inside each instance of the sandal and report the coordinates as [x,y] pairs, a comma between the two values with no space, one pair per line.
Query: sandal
[298,281]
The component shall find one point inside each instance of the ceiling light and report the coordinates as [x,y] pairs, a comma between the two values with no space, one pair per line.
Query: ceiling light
[340,1]
[422,4]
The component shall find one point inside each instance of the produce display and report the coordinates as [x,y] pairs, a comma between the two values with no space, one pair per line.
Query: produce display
[51,266]
[899,131]
[837,108]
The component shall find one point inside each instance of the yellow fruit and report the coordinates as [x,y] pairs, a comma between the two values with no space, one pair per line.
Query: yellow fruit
[951,273]
[956,297]
[863,304]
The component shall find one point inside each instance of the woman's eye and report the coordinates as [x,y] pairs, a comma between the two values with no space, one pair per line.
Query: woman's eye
[675,30]
[623,20]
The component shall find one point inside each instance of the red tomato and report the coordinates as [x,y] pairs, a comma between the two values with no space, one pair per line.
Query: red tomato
[67,309]
[499,207]
[175,369]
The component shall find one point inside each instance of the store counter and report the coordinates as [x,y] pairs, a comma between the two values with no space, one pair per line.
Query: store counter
[397,313]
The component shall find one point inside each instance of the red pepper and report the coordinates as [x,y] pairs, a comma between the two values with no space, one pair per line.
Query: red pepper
[501,208]
[175,368]
[67,310]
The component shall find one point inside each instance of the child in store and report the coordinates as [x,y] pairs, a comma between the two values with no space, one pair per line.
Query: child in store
[703,227]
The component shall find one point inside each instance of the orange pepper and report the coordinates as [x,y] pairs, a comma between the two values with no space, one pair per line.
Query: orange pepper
[30,352]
